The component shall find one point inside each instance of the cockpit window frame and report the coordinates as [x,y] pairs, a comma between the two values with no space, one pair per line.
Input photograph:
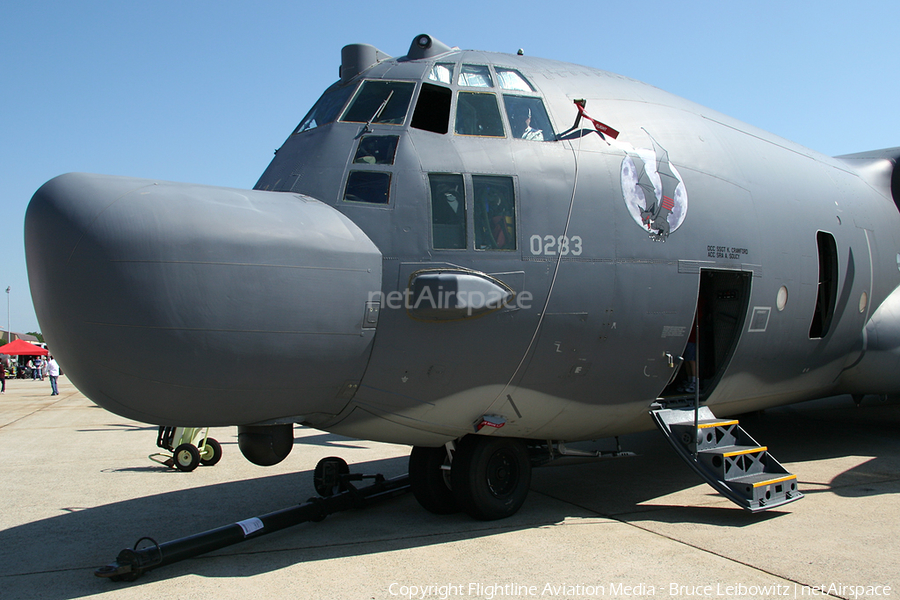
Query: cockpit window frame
[474,122]
[498,69]
[468,69]
[483,218]
[334,93]
[480,233]
[538,126]
[371,179]
[437,76]
[374,113]
[545,130]
[433,108]
[376,149]
[449,230]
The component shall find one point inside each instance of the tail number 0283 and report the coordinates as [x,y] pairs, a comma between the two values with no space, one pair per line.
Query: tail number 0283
[550,245]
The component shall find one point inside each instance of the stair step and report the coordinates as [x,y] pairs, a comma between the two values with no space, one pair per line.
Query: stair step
[710,433]
[766,490]
[715,423]
[731,462]
[729,451]
[727,457]
[762,479]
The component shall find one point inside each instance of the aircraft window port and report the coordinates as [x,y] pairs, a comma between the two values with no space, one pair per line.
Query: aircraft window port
[377,150]
[510,79]
[433,109]
[827,290]
[448,211]
[326,109]
[528,118]
[442,72]
[495,212]
[475,76]
[380,102]
[477,113]
[371,187]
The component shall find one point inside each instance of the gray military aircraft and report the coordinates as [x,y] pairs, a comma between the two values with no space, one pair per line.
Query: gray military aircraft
[487,257]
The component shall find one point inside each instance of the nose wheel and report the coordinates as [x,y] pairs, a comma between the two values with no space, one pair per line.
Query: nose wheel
[489,477]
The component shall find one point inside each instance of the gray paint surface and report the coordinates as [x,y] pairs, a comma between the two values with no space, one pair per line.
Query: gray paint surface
[188,294]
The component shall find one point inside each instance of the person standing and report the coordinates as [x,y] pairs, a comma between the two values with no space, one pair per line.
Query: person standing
[53,373]
[3,376]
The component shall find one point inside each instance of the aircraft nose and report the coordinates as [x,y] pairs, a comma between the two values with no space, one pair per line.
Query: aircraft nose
[191,305]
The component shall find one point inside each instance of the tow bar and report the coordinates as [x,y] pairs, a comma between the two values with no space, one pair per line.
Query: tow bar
[332,480]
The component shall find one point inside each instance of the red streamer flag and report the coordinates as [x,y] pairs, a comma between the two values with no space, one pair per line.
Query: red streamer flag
[601,127]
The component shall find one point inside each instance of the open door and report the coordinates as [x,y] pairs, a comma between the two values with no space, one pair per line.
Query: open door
[721,311]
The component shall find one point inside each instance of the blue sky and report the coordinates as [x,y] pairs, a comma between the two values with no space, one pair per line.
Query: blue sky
[204,92]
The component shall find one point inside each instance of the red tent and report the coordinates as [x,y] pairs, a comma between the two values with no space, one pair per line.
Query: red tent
[17,347]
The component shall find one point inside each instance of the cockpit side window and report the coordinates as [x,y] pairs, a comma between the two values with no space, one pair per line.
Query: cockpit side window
[433,109]
[475,76]
[448,211]
[495,212]
[510,79]
[528,118]
[371,187]
[442,72]
[477,113]
[326,109]
[376,150]
[380,102]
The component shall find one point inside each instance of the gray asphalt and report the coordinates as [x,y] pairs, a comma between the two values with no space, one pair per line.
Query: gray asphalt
[77,487]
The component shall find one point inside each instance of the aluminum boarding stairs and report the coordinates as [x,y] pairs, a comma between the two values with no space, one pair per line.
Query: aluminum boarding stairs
[727,458]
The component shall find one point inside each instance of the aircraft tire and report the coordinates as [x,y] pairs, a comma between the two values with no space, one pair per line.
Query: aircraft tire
[186,457]
[213,452]
[428,482]
[490,476]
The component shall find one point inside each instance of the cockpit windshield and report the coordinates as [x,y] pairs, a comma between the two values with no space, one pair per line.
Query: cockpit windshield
[380,102]
[477,112]
[326,109]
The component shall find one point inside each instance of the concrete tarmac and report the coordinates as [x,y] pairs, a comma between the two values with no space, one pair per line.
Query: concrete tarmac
[77,487]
